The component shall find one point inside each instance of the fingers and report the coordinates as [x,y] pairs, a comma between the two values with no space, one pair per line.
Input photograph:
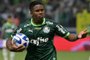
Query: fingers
[21,48]
[83,33]
[13,47]
[85,30]
[79,36]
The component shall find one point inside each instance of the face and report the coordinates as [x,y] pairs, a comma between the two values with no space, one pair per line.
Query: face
[10,20]
[38,11]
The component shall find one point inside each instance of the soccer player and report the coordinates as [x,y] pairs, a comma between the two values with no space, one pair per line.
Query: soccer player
[41,32]
[7,29]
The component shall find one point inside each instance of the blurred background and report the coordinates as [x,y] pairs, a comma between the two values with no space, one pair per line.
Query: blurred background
[72,14]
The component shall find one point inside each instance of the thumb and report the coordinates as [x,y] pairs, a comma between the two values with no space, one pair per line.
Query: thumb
[79,36]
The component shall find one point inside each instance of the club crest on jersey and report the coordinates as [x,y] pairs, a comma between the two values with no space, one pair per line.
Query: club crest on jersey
[46,29]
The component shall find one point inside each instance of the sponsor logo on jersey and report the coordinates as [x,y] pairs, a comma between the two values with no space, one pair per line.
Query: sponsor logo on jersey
[46,29]
[39,40]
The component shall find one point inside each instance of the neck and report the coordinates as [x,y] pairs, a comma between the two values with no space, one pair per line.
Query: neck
[38,22]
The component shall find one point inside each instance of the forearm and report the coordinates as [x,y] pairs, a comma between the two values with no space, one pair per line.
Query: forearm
[9,45]
[15,50]
[72,37]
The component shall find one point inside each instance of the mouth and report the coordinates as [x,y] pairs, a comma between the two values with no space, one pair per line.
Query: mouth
[40,16]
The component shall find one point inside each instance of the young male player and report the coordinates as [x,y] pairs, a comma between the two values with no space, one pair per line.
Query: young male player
[41,32]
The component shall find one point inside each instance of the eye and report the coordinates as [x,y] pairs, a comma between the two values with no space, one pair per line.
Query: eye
[37,10]
[42,9]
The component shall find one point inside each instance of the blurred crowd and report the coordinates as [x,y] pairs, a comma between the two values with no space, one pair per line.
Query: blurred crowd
[64,11]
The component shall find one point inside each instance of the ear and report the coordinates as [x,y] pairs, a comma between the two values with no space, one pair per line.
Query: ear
[29,12]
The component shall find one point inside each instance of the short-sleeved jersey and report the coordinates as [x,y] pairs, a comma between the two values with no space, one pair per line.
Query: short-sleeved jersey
[41,39]
[8,29]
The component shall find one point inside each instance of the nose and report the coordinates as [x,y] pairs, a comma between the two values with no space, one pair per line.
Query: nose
[40,12]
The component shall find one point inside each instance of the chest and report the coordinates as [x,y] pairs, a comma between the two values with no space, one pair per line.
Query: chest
[42,31]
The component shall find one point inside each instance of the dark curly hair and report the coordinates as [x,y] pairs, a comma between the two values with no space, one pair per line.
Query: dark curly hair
[33,3]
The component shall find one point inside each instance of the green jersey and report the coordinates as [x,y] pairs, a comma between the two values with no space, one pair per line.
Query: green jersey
[7,30]
[41,39]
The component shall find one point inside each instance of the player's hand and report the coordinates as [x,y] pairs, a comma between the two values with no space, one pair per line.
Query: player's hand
[83,34]
[18,48]
[12,46]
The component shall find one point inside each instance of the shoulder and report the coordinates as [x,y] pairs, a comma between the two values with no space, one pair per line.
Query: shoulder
[51,22]
[25,23]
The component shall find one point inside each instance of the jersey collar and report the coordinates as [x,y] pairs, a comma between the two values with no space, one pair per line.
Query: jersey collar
[37,24]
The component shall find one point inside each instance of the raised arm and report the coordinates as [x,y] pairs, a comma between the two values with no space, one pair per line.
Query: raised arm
[73,37]
[61,31]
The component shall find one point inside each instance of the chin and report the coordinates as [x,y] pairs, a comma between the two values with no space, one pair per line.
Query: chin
[40,17]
